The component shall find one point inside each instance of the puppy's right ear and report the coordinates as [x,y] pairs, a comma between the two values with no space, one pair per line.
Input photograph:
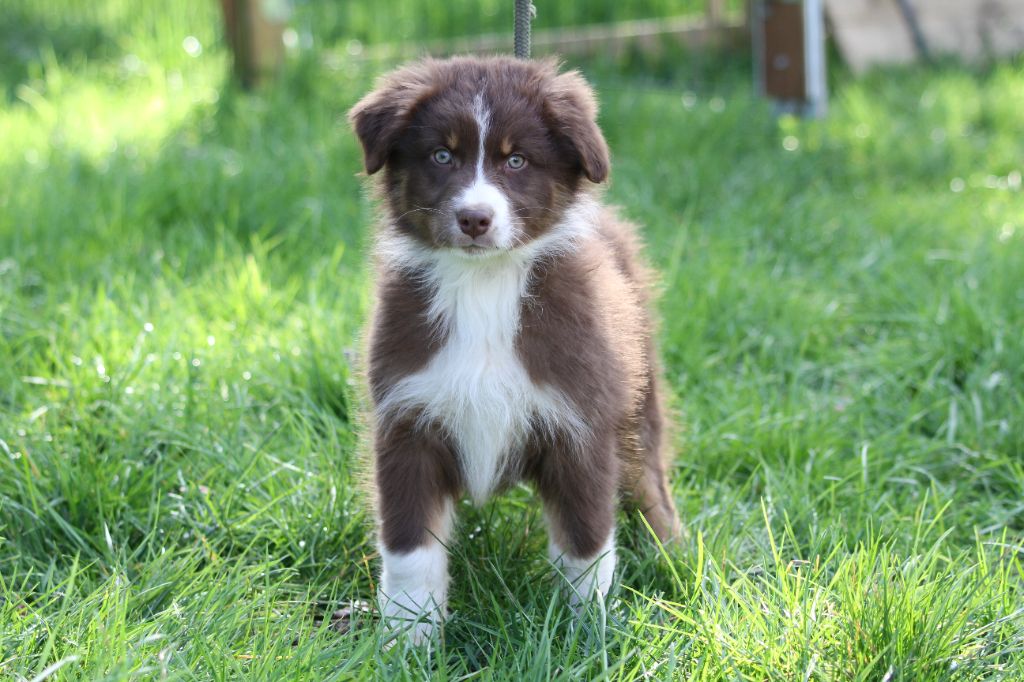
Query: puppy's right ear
[381,117]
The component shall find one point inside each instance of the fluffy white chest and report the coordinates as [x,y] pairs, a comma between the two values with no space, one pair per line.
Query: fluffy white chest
[476,385]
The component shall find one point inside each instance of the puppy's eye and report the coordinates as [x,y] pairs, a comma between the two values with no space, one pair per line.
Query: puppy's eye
[442,156]
[516,161]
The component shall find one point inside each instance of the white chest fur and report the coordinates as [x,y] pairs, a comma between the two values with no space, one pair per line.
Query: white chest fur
[476,385]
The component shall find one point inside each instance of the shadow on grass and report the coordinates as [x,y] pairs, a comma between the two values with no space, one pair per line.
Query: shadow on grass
[28,40]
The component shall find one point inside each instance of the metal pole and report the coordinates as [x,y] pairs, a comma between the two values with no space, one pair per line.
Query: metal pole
[815,76]
[910,18]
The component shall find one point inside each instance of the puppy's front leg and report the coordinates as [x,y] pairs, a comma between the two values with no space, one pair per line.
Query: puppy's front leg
[579,492]
[416,486]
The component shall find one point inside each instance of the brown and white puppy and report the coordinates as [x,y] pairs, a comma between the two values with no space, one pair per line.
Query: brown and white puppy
[511,337]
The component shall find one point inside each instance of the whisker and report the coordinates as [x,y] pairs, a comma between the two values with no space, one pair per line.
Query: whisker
[532,208]
[419,208]
[414,210]
[427,208]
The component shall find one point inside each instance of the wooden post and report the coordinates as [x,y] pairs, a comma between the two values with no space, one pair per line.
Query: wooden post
[789,54]
[715,12]
[254,30]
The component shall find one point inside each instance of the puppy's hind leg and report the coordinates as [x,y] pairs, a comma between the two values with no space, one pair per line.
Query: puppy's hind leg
[651,492]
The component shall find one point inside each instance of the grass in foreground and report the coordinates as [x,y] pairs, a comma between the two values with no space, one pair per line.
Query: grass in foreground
[183,280]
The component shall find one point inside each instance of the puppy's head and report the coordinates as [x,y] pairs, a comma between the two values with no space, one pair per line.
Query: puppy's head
[481,156]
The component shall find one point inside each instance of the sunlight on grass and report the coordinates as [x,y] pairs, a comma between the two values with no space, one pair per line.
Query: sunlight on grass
[68,119]
[183,283]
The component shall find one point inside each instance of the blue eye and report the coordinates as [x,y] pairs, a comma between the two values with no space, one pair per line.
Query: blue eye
[516,161]
[442,156]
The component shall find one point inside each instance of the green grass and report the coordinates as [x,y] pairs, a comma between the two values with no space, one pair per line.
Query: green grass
[183,279]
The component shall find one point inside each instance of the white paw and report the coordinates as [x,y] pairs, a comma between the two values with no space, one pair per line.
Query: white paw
[413,592]
[587,577]
[415,630]
[416,615]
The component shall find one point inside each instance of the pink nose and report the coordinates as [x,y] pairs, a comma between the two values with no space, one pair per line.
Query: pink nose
[474,221]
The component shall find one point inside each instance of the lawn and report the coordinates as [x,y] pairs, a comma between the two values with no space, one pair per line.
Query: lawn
[183,282]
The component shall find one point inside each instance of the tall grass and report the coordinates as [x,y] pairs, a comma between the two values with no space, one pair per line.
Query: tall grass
[183,281]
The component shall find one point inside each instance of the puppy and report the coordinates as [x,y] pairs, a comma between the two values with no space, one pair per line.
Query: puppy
[511,337]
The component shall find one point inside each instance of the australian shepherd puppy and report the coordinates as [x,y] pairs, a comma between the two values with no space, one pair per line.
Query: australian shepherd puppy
[511,337]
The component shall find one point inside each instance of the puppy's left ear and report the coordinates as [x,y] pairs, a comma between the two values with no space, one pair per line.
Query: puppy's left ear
[381,117]
[572,107]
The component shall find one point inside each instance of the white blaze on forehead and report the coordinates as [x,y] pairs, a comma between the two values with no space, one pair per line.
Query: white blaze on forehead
[483,123]
[482,194]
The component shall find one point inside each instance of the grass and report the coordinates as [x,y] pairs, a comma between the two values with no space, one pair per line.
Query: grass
[183,280]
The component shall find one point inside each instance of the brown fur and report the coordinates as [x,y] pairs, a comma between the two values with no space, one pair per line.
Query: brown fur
[402,340]
[411,490]
[585,325]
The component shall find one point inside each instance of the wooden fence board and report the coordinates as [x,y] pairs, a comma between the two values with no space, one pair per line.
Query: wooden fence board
[871,32]
[696,32]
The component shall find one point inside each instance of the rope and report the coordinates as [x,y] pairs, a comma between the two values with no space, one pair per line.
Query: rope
[525,12]
[910,18]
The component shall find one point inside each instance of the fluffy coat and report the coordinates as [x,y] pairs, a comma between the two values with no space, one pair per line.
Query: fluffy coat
[511,337]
